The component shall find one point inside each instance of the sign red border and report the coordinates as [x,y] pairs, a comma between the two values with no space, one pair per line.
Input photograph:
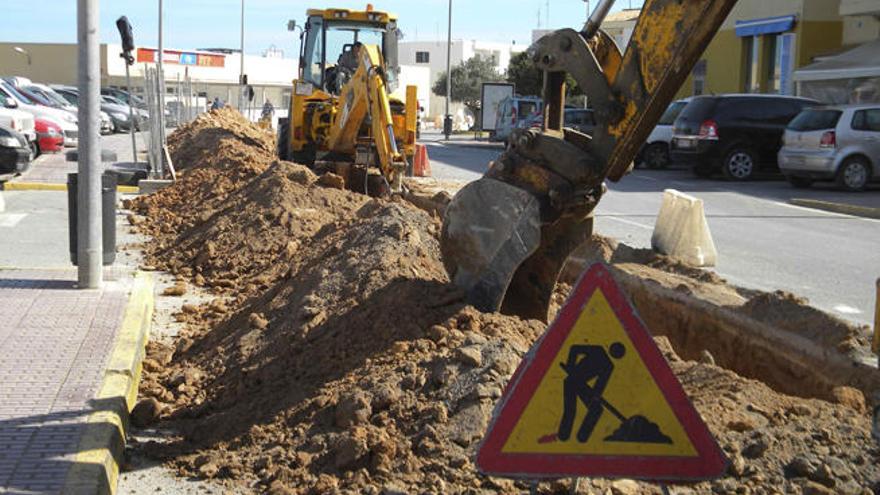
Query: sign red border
[710,461]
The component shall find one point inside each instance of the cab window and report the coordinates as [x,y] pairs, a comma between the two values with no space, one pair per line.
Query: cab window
[313,51]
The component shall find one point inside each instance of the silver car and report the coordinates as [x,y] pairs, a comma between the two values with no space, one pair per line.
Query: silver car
[839,143]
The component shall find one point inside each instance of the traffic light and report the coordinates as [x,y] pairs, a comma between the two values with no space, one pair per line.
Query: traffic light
[125,32]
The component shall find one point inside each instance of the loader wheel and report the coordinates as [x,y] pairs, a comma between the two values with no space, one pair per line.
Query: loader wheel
[283,138]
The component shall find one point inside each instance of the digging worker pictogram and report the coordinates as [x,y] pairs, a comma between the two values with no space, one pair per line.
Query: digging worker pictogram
[586,363]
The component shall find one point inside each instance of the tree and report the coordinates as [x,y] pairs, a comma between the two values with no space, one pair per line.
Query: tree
[529,80]
[467,81]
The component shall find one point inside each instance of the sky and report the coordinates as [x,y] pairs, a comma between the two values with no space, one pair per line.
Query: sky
[190,24]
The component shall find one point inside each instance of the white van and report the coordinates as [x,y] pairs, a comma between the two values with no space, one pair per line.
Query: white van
[512,112]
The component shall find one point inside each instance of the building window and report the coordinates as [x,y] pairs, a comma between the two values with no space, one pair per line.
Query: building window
[773,55]
[423,57]
[750,66]
[700,77]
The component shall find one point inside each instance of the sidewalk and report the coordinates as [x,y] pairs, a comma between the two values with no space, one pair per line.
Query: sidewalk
[69,358]
[52,168]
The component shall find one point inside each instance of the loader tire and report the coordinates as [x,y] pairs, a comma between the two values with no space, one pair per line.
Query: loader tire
[283,139]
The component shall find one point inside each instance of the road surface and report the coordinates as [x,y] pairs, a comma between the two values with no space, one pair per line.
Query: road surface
[763,242]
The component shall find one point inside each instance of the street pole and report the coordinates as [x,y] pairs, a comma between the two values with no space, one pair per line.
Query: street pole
[131,121]
[90,252]
[447,120]
[160,163]
[241,97]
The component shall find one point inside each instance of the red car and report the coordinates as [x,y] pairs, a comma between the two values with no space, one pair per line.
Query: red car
[49,136]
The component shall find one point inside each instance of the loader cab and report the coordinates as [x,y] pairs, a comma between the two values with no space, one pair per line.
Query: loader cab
[330,39]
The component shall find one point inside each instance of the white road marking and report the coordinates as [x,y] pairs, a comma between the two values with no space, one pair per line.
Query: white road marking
[645,177]
[847,310]
[11,219]
[628,222]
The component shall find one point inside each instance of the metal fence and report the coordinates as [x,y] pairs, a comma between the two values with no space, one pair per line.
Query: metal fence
[181,106]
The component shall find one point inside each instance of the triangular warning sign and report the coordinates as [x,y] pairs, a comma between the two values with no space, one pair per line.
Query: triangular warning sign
[594,397]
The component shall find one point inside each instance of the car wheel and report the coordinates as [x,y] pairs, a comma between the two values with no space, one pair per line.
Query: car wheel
[799,182]
[656,156]
[854,174]
[739,164]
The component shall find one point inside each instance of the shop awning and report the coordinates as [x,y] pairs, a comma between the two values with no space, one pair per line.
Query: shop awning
[861,61]
[767,25]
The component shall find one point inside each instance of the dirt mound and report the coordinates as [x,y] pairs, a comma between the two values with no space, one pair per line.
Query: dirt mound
[794,314]
[338,358]
[195,145]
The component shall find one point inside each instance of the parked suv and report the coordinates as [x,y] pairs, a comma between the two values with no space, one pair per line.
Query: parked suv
[735,134]
[512,112]
[840,143]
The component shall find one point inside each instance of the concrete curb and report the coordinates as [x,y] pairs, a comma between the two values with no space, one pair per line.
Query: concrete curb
[40,186]
[846,209]
[474,145]
[96,465]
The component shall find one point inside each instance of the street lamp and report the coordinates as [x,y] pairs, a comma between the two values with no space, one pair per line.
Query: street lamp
[22,51]
[447,119]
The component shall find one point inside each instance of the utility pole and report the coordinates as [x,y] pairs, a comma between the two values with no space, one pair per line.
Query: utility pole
[160,163]
[447,120]
[90,252]
[241,97]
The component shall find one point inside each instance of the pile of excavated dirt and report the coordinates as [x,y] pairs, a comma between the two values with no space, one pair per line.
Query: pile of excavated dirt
[215,155]
[336,356]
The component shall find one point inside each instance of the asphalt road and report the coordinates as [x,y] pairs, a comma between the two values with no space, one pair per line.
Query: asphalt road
[763,242]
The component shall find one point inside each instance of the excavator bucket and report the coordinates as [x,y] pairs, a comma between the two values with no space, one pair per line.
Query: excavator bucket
[506,236]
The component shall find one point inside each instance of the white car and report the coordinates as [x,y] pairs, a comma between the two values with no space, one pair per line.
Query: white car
[66,119]
[655,152]
[17,120]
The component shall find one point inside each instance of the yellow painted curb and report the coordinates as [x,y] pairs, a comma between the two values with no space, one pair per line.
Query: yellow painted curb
[96,465]
[40,186]
[846,209]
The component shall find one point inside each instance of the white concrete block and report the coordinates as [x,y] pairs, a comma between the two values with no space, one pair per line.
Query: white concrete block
[682,231]
[2,203]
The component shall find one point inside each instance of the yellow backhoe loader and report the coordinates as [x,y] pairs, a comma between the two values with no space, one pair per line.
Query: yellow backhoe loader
[341,110]
[506,236]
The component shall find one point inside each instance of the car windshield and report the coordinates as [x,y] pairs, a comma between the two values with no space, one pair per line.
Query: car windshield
[672,112]
[49,94]
[815,120]
[37,97]
[17,94]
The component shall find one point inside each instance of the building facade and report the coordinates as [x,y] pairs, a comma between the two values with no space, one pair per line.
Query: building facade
[762,43]
[432,55]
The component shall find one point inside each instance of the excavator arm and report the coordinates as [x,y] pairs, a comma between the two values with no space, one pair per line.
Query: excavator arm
[507,235]
[365,95]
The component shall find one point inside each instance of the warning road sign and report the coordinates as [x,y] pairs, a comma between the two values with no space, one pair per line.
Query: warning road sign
[594,397]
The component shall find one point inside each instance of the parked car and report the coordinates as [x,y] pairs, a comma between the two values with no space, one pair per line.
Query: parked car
[125,96]
[736,134]
[22,102]
[50,137]
[15,153]
[655,152]
[513,111]
[118,115]
[140,115]
[17,120]
[839,143]
[580,119]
